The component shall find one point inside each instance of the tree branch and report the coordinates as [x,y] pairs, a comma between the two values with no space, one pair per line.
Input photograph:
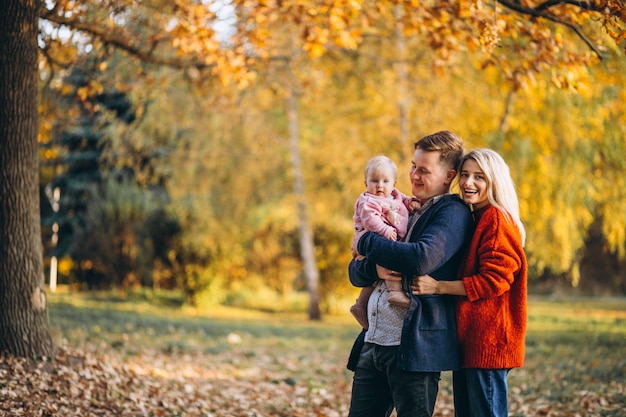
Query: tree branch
[539,12]
[583,4]
[108,37]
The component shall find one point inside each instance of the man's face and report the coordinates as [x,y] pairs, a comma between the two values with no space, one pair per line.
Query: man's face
[429,178]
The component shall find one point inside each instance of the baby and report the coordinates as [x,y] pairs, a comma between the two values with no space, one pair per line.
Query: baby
[384,210]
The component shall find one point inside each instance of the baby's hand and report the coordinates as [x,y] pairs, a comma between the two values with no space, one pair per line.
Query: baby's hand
[355,243]
[394,235]
[414,205]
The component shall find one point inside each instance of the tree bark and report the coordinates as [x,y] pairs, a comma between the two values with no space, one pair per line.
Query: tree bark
[404,96]
[24,326]
[307,245]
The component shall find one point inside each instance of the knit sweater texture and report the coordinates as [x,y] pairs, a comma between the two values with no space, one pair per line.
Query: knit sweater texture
[382,214]
[491,320]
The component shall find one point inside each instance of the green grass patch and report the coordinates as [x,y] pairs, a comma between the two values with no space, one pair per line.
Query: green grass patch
[575,353]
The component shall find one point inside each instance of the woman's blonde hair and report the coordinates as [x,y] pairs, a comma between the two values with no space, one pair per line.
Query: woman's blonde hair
[500,187]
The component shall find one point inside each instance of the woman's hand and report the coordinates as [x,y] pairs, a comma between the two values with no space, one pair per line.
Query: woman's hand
[424,285]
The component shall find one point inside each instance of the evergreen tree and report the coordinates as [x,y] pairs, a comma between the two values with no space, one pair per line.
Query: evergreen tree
[80,136]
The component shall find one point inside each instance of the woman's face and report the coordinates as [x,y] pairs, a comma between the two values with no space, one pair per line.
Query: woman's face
[473,184]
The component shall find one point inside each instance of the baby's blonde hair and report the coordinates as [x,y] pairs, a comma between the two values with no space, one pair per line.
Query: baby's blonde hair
[378,163]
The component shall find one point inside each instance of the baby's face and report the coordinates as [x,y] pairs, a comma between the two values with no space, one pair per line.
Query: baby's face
[381,182]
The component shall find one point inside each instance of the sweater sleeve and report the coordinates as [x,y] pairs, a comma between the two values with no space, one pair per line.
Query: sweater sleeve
[407,200]
[443,237]
[497,258]
[373,219]
[362,273]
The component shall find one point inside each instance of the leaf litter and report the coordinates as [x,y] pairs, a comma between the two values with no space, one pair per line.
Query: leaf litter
[273,372]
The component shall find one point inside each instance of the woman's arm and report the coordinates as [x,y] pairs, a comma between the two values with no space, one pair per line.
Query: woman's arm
[500,255]
[426,284]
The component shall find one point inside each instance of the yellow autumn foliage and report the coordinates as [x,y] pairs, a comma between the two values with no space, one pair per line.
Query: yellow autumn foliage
[529,88]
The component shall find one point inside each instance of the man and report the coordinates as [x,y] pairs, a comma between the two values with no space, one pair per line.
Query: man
[398,361]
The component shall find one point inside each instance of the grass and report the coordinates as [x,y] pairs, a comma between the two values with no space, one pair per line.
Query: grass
[575,359]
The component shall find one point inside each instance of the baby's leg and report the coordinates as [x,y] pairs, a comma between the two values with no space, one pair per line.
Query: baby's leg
[359,309]
[396,295]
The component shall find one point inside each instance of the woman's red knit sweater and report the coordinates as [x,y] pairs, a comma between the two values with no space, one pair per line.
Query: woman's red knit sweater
[491,320]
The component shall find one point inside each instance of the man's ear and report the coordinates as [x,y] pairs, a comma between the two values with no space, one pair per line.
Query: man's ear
[450,176]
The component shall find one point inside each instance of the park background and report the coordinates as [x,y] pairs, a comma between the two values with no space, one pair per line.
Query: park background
[198,166]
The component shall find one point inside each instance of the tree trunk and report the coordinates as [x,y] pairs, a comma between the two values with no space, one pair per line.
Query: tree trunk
[24,326]
[307,246]
[404,97]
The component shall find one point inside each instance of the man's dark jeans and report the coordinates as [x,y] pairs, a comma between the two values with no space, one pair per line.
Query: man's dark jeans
[378,386]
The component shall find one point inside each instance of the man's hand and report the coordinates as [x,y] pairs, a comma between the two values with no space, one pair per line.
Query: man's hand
[388,274]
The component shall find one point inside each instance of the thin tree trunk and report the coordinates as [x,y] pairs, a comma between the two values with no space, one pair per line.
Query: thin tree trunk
[404,100]
[24,326]
[307,246]
[506,112]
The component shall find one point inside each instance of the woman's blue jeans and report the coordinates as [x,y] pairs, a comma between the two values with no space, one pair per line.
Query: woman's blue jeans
[480,393]
[378,386]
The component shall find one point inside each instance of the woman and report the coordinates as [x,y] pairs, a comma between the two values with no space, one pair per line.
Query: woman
[491,312]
